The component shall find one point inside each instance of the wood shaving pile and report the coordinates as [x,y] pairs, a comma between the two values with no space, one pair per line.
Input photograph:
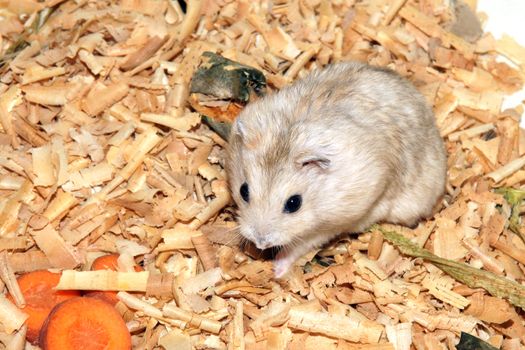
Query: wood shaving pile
[100,152]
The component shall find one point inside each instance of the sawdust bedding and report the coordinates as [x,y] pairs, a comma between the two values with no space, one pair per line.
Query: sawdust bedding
[102,150]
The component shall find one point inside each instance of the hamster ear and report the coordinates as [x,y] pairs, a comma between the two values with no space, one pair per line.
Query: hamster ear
[239,129]
[246,135]
[312,160]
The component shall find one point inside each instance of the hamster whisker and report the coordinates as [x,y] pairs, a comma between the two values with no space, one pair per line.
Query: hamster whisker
[243,241]
[233,229]
[288,247]
[235,237]
[276,249]
[296,241]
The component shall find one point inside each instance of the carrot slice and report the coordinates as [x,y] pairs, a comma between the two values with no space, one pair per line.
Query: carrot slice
[106,262]
[38,290]
[87,324]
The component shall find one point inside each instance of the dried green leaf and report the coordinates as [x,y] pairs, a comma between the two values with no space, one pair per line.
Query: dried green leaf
[21,42]
[226,79]
[470,342]
[221,128]
[497,286]
[514,197]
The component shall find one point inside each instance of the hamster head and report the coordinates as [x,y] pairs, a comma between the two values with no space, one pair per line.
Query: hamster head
[271,185]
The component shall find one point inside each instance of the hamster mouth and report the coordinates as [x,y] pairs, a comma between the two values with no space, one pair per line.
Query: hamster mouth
[271,253]
[276,249]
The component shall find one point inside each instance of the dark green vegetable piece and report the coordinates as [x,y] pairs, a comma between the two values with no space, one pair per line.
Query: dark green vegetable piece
[221,128]
[470,342]
[22,41]
[514,197]
[223,79]
[226,79]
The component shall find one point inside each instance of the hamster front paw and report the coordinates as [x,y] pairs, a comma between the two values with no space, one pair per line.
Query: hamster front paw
[281,265]
[287,256]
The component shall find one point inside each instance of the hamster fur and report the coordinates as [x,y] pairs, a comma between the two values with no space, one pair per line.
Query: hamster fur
[357,143]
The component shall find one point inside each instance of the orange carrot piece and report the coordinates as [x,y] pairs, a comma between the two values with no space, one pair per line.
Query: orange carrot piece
[109,262]
[85,323]
[106,262]
[40,295]
[109,297]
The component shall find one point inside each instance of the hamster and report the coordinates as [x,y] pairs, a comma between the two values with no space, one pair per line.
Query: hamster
[345,147]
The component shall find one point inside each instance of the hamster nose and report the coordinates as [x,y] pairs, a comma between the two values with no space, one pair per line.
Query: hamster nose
[262,242]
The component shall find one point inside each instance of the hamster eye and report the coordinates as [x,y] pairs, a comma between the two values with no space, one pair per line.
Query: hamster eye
[293,203]
[245,192]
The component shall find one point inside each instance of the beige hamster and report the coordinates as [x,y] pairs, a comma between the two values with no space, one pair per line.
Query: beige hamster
[347,146]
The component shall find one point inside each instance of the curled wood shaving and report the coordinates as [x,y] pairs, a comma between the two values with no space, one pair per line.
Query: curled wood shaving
[8,277]
[192,319]
[103,280]
[11,317]
[335,326]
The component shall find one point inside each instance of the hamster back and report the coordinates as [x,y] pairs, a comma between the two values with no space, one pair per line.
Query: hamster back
[337,151]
